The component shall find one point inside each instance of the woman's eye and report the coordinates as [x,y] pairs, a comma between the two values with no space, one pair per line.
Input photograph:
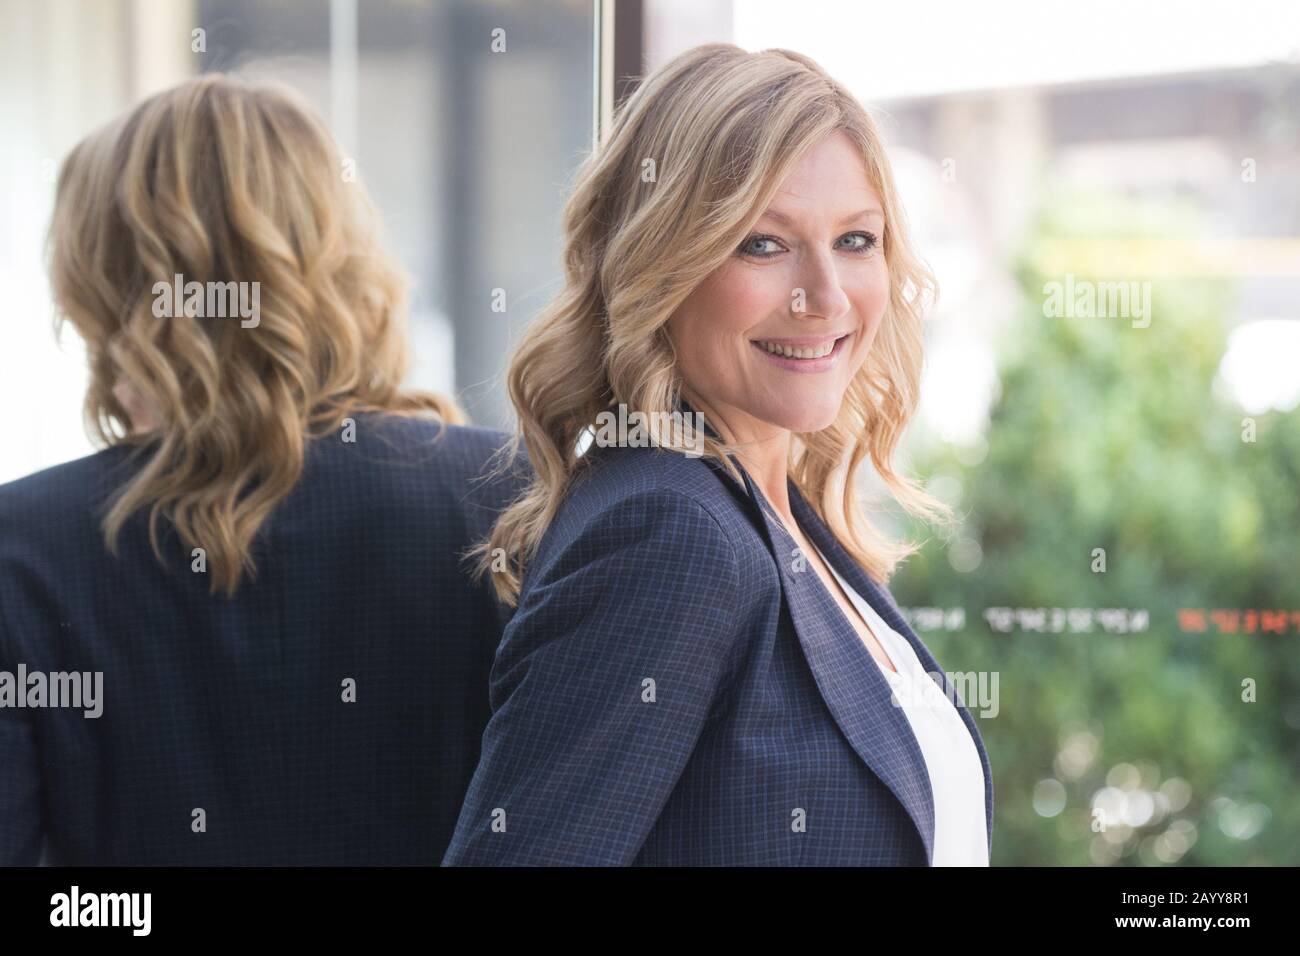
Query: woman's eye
[859,241]
[760,246]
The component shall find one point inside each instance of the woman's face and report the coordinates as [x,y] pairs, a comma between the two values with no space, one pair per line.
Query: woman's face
[771,339]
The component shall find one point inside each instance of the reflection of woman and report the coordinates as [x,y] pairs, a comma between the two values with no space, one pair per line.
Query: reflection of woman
[293,658]
[676,687]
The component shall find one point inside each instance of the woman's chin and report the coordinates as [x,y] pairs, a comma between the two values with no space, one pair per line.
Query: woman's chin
[806,419]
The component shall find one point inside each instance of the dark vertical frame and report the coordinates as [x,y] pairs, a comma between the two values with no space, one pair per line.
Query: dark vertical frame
[629,47]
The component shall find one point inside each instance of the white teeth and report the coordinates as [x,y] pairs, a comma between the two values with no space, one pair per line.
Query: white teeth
[820,351]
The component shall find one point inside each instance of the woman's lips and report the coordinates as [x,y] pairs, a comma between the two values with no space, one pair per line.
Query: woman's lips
[816,357]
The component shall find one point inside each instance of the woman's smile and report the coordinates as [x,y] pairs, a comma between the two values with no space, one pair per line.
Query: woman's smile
[807,353]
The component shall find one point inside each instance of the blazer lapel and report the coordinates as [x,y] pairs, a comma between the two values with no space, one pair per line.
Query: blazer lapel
[879,599]
[856,693]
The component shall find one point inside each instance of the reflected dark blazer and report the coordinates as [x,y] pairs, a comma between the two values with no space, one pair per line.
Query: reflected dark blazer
[235,706]
[671,691]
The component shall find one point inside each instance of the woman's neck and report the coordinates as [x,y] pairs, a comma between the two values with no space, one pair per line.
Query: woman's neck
[763,448]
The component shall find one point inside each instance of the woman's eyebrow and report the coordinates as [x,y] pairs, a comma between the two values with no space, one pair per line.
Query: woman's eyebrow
[871,213]
[786,220]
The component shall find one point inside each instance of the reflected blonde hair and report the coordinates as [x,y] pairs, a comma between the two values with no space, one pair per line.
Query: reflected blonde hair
[723,128]
[219,180]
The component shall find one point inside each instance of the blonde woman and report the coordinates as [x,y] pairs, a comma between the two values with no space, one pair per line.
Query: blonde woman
[259,585]
[705,665]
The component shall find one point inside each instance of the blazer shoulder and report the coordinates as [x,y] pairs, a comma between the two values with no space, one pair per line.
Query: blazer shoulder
[387,435]
[415,453]
[73,487]
[617,474]
[660,502]
[647,547]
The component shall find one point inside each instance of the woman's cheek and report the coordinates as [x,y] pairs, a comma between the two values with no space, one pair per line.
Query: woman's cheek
[868,308]
[745,296]
[874,303]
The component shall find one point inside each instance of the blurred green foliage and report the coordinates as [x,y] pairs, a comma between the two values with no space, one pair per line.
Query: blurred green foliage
[1109,436]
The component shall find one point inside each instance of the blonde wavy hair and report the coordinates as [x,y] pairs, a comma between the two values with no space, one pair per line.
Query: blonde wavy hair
[723,127]
[219,180]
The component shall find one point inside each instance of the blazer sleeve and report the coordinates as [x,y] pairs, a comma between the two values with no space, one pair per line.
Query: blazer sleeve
[21,832]
[601,686]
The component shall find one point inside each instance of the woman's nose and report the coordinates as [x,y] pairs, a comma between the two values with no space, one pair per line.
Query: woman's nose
[821,296]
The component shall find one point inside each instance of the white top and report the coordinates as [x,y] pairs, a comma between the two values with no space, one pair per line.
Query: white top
[956,774]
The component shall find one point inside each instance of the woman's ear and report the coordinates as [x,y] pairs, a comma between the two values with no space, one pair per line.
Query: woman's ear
[139,411]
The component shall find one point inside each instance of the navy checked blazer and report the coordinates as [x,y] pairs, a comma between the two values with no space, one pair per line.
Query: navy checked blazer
[236,706]
[672,691]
